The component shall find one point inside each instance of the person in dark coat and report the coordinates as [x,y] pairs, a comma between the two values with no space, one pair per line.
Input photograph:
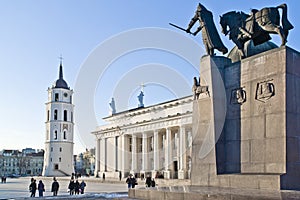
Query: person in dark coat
[82,186]
[120,175]
[76,187]
[129,181]
[32,188]
[55,187]
[71,187]
[103,177]
[133,182]
[41,188]
[153,183]
[148,181]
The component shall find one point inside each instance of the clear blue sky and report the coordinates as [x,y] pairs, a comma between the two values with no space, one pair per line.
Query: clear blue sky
[34,34]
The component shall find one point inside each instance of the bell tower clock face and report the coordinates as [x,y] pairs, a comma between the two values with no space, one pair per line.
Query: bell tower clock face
[65,94]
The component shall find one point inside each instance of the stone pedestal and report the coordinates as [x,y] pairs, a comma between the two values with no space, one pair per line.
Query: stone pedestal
[181,174]
[257,145]
[167,174]
[153,173]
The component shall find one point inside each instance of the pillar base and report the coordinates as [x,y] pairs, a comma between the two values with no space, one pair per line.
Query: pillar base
[167,174]
[153,173]
[181,174]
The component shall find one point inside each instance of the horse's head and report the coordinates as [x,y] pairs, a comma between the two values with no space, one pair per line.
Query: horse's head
[224,24]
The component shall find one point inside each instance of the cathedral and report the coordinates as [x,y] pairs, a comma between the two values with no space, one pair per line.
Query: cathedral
[154,140]
[58,158]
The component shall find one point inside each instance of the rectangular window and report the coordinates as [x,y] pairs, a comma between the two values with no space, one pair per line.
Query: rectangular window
[65,115]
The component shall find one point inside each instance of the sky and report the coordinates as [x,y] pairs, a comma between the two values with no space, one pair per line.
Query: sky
[109,49]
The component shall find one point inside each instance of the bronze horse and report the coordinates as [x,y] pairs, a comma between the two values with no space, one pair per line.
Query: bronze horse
[256,26]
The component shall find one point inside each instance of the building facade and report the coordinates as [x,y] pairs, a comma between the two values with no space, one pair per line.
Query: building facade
[59,129]
[152,140]
[15,163]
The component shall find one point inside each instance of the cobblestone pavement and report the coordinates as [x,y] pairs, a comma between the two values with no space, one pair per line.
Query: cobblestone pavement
[17,188]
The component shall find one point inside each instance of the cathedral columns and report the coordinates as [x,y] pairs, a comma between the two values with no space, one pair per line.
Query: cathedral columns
[182,153]
[168,153]
[97,164]
[133,154]
[144,153]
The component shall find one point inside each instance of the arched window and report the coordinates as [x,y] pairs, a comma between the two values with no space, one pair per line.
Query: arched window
[59,159]
[71,116]
[65,135]
[55,135]
[60,149]
[65,115]
[55,114]
[56,97]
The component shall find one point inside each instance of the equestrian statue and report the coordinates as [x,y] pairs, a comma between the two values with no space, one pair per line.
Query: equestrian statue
[256,27]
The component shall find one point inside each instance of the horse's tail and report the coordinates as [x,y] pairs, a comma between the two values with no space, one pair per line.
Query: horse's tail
[286,25]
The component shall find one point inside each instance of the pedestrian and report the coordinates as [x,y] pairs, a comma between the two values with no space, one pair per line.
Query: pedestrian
[55,187]
[82,186]
[148,181]
[153,182]
[41,188]
[129,181]
[32,188]
[133,182]
[71,187]
[120,175]
[76,186]
[103,176]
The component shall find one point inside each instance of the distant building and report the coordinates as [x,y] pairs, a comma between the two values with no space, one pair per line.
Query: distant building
[59,129]
[85,162]
[21,163]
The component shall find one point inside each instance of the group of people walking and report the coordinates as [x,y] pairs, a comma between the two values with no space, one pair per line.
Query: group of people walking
[132,182]
[74,187]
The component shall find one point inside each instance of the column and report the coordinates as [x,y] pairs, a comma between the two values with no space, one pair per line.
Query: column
[97,167]
[144,153]
[155,153]
[167,149]
[133,155]
[123,150]
[182,154]
[102,156]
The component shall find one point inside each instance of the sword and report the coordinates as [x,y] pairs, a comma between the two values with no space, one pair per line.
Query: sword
[179,28]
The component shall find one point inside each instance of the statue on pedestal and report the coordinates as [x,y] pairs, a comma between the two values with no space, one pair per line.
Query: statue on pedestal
[210,36]
[112,106]
[256,27]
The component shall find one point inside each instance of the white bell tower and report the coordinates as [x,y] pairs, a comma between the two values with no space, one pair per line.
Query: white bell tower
[58,157]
